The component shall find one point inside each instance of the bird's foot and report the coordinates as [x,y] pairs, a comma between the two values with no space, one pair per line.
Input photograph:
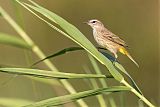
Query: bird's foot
[115,60]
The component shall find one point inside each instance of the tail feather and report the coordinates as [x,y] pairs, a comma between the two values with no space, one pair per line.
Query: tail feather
[124,51]
[130,57]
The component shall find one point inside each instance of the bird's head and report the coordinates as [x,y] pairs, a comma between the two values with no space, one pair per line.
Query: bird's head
[94,23]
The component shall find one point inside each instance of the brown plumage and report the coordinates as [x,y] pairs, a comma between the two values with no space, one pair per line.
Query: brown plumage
[108,40]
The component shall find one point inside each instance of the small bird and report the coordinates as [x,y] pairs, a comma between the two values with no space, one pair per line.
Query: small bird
[108,40]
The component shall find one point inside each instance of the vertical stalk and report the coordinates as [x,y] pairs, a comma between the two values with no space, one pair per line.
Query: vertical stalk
[102,81]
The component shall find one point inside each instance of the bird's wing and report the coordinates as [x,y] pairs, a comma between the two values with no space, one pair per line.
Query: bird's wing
[114,38]
[117,40]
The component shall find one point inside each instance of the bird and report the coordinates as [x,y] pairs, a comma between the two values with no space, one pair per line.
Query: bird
[109,40]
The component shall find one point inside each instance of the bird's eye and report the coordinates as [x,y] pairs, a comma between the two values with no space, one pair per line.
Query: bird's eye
[93,21]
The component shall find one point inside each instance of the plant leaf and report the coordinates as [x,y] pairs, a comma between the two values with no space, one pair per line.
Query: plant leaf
[61,52]
[13,41]
[120,67]
[13,102]
[73,97]
[71,49]
[49,74]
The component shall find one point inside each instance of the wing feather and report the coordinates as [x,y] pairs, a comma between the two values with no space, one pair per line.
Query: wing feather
[114,38]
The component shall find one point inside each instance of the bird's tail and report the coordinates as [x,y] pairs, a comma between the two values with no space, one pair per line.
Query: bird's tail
[124,51]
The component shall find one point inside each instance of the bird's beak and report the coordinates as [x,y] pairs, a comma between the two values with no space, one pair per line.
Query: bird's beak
[86,22]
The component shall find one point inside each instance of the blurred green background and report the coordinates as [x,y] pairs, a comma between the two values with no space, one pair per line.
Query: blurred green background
[136,21]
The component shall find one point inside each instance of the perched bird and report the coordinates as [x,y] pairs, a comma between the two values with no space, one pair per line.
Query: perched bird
[108,40]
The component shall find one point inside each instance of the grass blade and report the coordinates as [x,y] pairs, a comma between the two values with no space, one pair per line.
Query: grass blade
[49,74]
[61,52]
[13,102]
[120,67]
[70,49]
[70,98]
[12,40]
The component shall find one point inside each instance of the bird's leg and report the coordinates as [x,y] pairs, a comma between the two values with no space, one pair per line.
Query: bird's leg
[116,56]
[98,49]
[115,60]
